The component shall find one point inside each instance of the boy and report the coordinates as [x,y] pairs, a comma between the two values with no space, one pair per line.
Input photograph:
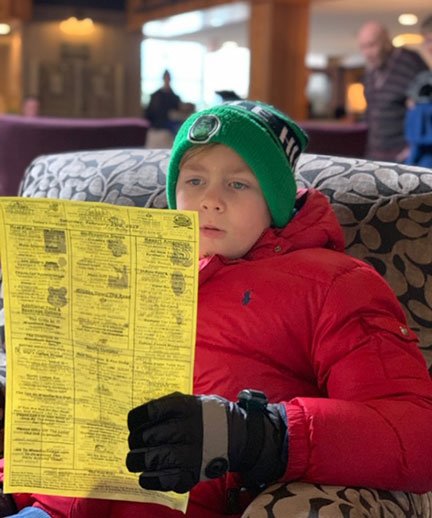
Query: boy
[285,316]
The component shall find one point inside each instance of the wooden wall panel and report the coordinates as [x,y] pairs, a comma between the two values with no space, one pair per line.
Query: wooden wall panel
[15,9]
[278,42]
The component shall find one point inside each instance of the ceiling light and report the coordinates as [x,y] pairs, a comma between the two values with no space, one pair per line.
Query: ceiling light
[4,29]
[76,27]
[407,39]
[408,19]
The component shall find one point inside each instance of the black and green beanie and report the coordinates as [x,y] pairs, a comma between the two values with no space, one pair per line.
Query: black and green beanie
[268,141]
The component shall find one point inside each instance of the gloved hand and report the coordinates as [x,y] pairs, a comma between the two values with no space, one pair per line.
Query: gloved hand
[178,440]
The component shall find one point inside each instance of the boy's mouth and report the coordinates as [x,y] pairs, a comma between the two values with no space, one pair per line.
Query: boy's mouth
[211,231]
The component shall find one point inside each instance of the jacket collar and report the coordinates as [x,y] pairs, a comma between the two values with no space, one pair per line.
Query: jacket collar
[314,225]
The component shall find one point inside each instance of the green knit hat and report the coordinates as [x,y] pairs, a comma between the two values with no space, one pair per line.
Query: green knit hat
[267,140]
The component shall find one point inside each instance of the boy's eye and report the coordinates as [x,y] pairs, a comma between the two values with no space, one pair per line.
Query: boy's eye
[239,186]
[194,181]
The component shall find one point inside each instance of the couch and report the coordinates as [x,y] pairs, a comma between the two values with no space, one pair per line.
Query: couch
[385,211]
[24,138]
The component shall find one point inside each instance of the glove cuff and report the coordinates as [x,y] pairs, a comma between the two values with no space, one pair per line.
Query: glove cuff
[260,429]
[272,458]
[254,402]
[215,438]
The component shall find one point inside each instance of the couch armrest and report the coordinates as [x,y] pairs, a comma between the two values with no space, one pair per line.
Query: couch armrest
[302,500]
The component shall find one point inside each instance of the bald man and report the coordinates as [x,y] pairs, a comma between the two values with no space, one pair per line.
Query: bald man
[388,73]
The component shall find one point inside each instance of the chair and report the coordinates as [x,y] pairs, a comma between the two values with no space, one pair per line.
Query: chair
[385,210]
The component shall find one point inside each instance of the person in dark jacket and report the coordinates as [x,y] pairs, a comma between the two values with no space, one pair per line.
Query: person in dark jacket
[389,72]
[426,31]
[305,368]
[162,104]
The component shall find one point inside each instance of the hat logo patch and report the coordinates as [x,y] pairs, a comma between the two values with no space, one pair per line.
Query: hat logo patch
[203,129]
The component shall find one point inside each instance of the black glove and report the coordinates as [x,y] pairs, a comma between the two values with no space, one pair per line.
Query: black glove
[178,440]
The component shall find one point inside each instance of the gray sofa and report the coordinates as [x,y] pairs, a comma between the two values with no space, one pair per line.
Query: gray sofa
[386,214]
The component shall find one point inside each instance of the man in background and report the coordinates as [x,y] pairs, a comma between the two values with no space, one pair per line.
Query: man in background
[166,112]
[420,88]
[389,72]
[426,30]
[162,104]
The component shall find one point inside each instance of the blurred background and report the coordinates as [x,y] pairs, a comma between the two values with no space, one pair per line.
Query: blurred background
[104,58]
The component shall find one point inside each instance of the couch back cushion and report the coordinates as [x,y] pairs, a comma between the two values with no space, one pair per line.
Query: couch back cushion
[385,209]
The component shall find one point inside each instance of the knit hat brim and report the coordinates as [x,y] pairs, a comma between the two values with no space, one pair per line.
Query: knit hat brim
[271,157]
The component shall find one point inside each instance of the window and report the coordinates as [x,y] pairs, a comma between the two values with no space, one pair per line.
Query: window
[183,59]
[196,74]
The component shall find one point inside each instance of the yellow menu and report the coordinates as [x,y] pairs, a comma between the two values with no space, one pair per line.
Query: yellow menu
[100,308]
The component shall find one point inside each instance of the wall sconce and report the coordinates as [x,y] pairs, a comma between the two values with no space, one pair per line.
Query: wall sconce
[75,27]
[355,99]
[5,28]
[407,39]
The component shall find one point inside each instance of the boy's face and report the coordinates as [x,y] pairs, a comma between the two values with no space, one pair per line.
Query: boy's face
[233,213]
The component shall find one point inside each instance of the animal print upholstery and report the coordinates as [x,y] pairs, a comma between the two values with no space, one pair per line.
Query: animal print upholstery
[385,209]
[386,214]
[299,500]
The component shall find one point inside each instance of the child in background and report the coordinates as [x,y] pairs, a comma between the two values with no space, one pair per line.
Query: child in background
[418,119]
[418,122]
[31,106]
[305,367]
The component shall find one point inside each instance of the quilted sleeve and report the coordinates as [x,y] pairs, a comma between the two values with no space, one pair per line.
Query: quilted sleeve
[374,428]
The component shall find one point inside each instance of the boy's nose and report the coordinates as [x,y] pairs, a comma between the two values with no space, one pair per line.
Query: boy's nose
[212,201]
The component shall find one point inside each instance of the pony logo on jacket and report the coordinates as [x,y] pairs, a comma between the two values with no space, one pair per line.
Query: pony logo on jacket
[247,295]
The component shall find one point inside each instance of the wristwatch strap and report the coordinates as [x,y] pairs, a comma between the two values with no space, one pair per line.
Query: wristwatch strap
[254,402]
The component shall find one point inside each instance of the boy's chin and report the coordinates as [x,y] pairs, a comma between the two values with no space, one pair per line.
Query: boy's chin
[204,255]
[209,253]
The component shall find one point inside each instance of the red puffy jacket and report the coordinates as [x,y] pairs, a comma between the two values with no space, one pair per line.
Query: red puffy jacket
[321,332]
